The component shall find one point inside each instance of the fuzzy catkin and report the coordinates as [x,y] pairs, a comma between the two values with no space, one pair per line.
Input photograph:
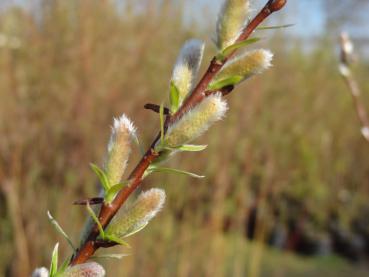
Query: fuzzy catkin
[187,66]
[127,221]
[231,20]
[245,65]
[196,121]
[90,269]
[119,148]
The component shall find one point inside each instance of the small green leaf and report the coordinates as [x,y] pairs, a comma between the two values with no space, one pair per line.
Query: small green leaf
[60,230]
[102,176]
[153,168]
[117,240]
[161,114]
[274,27]
[228,50]
[188,147]
[113,191]
[173,97]
[110,256]
[54,261]
[228,81]
[94,217]
[64,266]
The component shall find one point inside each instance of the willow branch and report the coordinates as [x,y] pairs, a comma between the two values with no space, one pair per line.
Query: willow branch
[346,73]
[359,107]
[107,212]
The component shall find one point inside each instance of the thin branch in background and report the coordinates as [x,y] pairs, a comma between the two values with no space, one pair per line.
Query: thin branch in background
[346,60]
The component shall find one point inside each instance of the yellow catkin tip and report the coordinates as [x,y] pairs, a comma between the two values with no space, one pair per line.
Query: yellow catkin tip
[119,148]
[231,20]
[196,121]
[90,269]
[246,65]
[136,216]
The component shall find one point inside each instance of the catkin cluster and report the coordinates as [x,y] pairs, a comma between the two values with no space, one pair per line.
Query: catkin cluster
[173,138]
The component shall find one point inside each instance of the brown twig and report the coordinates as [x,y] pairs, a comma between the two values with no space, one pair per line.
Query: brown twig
[346,59]
[90,201]
[156,108]
[199,93]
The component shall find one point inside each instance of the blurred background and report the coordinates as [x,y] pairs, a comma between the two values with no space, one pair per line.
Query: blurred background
[287,187]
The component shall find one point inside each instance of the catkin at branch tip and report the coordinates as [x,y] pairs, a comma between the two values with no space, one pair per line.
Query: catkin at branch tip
[231,20]
[347,53]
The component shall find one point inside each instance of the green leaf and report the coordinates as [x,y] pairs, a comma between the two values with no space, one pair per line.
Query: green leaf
[113,191]
[228,81]
[64,266]
[94,217]
[274,27]
[228,50]
[102,176]
[173,97]
[116,240]
[54,261]
[173,170]
[188,147]
[60,230]
[161,114]
[109,256]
